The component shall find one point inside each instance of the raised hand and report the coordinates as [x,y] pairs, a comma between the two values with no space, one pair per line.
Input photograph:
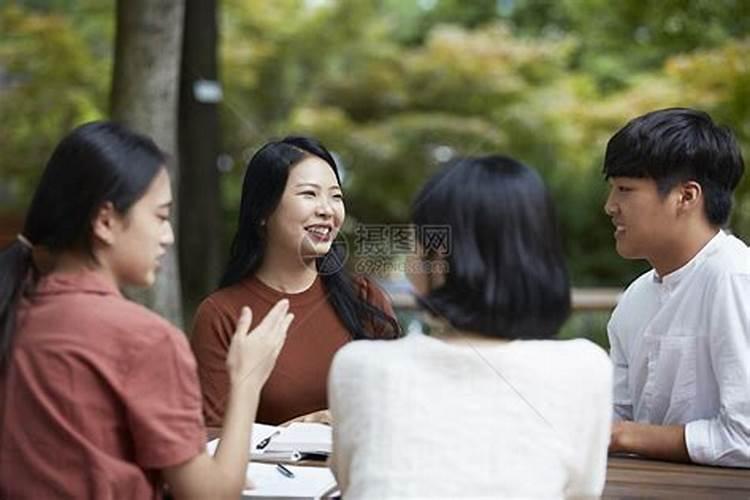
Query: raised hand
[252,355]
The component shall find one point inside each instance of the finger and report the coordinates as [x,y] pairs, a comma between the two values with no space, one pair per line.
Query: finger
[280,332]
[244,321]
[275,315]
[285,324]
[281,338]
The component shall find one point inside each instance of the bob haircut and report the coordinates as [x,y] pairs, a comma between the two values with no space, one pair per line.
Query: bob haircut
[506,274]
[262,188]
[677,145]
[96,163]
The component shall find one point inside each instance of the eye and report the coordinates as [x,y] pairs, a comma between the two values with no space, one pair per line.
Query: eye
[624,189]
[338,196]
[162,217]
[307,193]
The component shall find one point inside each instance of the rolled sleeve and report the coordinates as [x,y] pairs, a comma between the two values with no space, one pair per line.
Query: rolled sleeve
[164,406]
[719,441]
[725,438]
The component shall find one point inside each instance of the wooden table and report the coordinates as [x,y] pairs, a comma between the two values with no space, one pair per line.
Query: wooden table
[637,478]
[631,478]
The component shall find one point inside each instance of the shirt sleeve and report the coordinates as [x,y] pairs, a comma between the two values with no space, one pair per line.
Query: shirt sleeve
[210,339]
[163,404]
[725,438]
[622,403]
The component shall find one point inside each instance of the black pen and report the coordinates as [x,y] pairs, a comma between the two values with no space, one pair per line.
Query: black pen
[284,471]
[264,442]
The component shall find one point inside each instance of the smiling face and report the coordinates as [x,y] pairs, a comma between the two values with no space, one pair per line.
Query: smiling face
[310,211]
[140,237]
[645,220]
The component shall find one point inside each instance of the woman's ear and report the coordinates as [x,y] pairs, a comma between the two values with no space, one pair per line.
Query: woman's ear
[105,224]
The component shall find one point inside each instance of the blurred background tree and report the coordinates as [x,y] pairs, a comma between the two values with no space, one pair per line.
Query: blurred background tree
[396,87]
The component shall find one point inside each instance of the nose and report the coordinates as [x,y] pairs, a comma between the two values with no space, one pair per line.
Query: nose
[609,205]
[324,208]
[167,237]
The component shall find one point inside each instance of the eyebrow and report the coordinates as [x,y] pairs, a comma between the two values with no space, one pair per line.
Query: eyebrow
[312,184]
[167,204]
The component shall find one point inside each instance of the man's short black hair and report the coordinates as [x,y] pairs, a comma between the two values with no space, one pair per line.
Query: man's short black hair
[677,145]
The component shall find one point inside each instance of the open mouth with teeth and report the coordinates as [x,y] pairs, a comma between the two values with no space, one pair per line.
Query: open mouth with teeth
[319,233]
[619,228]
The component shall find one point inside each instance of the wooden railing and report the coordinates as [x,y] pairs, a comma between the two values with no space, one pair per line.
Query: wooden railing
[584,299]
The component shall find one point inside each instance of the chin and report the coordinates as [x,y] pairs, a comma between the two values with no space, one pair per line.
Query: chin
[147,281]
[313,251]
[628,253]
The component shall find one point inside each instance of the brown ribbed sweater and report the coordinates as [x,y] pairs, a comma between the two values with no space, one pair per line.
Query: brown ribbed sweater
[297,384]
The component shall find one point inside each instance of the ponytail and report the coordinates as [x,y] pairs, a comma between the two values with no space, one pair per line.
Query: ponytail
[97,162]
[18,275]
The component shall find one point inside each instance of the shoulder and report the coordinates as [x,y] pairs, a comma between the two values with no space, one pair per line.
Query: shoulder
[361,355]
[225,300]
[636,296]
[639,288]
[222,307]
[730,257]
[370,291]
[134,316]
[138,330]
[577,360]
[573,351]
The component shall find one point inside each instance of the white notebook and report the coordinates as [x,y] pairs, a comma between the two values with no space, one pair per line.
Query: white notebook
[304,438]
[269,483]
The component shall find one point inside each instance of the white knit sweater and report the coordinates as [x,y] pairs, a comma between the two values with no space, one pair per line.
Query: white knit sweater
[422,418]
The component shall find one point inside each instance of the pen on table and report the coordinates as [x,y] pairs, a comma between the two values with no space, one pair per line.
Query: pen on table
[284,471]
[264,442]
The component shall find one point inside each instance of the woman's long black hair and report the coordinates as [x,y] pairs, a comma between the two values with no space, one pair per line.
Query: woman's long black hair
[264,183]
[96,163]
[506,273]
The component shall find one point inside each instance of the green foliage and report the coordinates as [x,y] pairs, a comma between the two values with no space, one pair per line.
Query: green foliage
[50,81]
[395,87]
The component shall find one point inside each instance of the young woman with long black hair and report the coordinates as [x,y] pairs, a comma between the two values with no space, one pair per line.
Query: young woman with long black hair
[99,396]
[292,208]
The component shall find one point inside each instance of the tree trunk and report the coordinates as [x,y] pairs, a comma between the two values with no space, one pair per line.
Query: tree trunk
[200,246]
[144,97]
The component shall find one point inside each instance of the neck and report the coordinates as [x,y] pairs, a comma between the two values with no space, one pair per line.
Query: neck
[441,329]
[287,275]
[677,255]
[73,262]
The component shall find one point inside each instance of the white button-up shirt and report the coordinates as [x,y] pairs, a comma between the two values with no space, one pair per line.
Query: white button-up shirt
[681,349]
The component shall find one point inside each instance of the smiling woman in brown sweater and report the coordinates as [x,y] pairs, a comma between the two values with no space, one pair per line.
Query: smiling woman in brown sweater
[291,211]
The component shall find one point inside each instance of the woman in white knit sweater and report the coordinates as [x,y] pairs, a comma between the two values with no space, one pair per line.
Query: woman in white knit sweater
[488,405]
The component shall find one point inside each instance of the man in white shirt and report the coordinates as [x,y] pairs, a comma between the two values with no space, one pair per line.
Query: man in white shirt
[680,335]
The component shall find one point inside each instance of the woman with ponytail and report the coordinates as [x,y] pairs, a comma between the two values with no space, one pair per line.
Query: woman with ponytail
[99,396]
[291,210]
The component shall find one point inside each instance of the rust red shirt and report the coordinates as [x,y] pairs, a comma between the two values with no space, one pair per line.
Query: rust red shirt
[99,395]
[298,383]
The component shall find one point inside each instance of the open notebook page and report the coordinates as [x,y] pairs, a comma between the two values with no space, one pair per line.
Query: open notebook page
[308,482]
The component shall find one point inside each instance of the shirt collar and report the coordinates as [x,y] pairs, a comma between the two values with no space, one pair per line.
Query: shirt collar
[86,281]
[673,278]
